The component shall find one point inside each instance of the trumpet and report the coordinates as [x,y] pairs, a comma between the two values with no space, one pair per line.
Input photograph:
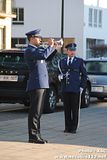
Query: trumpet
[59,43]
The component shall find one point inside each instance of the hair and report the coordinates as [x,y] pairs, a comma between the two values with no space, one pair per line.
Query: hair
[28,37]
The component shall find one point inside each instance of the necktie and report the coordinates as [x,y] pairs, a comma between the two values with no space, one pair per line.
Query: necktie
[69,62]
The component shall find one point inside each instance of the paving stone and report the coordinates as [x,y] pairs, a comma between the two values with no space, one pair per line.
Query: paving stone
[90,142]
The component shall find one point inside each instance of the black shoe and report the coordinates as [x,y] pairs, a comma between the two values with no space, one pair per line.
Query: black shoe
[67,131]
[70,131]
[73,132]
[39,141]
[44,140]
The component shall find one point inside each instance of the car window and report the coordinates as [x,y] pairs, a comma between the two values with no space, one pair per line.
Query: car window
[97,67]
[11,58]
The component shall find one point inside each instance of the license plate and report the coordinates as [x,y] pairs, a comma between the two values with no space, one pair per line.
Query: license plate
[105,89]
[13,78]
[97,89]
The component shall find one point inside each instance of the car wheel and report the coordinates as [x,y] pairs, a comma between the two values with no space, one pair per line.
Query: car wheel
[50,100]
[85,100]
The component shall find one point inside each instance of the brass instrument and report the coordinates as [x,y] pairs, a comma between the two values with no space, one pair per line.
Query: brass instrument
[59,43]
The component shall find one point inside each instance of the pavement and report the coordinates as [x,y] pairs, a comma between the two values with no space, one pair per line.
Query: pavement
[90,141]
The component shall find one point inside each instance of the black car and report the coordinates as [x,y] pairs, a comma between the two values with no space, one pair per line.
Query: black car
[14,76]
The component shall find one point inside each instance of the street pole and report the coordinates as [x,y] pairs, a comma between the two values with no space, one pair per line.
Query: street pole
[62,19]
[62,22]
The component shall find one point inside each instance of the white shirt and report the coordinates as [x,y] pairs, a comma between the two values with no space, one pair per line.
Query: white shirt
[68,59]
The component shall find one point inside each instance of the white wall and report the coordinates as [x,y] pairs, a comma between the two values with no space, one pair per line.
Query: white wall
[95,32]
[39,14]
[74,18]
[92,32]
[46,14]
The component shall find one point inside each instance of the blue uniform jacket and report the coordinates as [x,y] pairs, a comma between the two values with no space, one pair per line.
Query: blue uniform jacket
[74,76]
[38,74]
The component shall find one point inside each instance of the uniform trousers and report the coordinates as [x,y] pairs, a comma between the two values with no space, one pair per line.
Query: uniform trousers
[71,110]
[36,109]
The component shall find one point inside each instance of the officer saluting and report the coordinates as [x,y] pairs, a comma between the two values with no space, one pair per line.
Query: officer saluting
[35,57]
[73,80]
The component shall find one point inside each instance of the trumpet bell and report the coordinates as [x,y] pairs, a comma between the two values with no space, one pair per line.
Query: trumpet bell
[60,42]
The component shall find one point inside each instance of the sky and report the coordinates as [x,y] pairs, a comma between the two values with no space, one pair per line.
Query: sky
[102,3]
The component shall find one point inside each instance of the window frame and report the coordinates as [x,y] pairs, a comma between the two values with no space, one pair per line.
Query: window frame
[100,18]
[17,41]
[95,17]
[90,22]
[19,16]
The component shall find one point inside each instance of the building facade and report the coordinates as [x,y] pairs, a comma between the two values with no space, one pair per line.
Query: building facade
[95,25]
[48,15]
[84,24]
[5,24]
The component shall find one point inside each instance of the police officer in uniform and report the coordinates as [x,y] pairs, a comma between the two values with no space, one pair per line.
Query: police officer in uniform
[73,78]
[35,56]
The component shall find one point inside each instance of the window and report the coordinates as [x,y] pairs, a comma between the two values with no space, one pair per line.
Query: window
[2,5]
[90,16]
[99,41]
[18,41]
[100,18]
[96,67]
[90,43]
[11,58]
[19,16]
[95,17]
